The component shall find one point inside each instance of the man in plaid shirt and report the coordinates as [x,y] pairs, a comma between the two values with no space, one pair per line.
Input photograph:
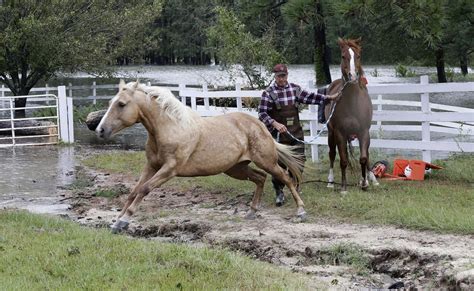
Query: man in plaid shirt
[278,109]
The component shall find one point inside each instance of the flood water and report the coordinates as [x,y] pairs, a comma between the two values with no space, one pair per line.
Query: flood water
[30,176]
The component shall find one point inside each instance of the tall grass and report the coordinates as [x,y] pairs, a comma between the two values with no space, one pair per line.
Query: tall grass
[43,253]
[444,202]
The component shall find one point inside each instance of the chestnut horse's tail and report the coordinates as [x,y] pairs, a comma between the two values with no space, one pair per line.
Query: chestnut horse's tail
[292,160]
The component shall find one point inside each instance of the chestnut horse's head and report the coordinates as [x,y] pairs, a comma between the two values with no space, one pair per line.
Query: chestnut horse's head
[351,67]
[123,111]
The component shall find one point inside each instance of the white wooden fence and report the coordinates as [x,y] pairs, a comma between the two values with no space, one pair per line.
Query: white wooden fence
[453,120]
[428,117]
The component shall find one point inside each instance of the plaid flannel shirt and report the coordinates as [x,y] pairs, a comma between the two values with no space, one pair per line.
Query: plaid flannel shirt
[286,96]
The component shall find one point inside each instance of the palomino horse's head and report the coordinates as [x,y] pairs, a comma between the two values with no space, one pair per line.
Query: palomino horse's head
[123,111]
[350,59]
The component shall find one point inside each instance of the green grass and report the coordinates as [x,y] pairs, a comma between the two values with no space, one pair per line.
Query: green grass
[444,202]
[46,253]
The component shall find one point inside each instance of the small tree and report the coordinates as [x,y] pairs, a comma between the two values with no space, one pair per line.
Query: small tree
[235,45]
[41,38]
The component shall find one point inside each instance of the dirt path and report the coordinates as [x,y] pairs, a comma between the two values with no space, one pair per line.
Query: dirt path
[325,250]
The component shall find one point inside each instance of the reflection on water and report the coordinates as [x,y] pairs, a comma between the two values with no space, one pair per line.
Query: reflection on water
[29,176]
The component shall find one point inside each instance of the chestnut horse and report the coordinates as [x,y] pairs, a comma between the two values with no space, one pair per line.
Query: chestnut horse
[181,143]
[351,115]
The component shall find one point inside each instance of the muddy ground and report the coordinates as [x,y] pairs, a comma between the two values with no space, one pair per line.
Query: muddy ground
[389,256]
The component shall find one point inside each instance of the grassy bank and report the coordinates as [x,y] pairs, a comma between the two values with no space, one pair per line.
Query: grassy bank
[444,202]
[38,252]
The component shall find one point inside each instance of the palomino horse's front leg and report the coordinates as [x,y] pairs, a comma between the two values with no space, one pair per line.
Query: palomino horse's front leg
[164,174]
[146,175]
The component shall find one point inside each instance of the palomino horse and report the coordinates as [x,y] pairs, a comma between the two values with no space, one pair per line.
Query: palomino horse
[181,143]
[351,114]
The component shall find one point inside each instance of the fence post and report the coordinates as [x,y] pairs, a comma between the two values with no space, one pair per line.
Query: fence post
[70,119]
[425,125]
[238,100]
[47,92]
[3,95]
[379,108]
[70,90]
[183,98]
[94,93]
[206,98]
[63,115]
[313,129]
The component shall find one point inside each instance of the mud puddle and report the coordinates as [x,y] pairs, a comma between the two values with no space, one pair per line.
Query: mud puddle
[342,255]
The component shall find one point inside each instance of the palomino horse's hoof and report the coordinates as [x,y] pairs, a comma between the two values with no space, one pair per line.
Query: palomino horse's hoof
[330,185]
[301,215]
[251,214]
[119,226]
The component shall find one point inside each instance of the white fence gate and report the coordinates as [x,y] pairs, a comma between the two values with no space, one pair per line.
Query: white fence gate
[53,125]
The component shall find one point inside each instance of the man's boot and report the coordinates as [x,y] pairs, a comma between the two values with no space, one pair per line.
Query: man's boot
[280,196]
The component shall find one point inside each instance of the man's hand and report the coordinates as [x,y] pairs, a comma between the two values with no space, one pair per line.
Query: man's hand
[280,127]
[333,96]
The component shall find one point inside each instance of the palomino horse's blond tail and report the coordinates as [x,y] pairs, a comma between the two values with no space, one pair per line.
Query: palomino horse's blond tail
[291,160]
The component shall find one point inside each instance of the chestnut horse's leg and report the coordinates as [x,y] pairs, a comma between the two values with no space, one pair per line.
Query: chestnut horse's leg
[166,172]
[332,157]
[364,143]
[242,171]
[344,161]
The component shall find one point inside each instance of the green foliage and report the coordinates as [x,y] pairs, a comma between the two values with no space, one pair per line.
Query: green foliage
[235,45]
[44,112]
[81,112]
[404,71]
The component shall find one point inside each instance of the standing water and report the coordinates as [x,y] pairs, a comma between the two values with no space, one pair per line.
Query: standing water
[30,177]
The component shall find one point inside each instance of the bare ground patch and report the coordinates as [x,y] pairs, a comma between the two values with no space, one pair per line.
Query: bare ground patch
[342,255]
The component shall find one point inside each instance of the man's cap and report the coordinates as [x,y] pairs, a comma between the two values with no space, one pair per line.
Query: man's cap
[280,69]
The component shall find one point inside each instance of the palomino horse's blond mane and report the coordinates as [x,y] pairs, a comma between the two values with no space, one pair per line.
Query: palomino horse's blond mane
[172,107]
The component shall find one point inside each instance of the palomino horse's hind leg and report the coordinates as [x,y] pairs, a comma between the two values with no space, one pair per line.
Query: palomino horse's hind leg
[281,175]
[120,224]
[242,171]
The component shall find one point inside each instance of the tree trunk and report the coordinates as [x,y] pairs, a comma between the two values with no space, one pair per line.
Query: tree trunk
[321,53]
[463,64]
[440,65]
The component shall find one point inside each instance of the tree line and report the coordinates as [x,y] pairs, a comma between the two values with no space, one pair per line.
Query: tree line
[40,38]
